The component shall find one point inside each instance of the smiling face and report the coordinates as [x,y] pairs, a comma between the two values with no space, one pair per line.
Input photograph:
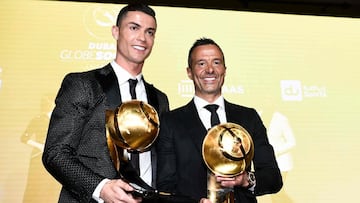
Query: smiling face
[207,70]
[135,39]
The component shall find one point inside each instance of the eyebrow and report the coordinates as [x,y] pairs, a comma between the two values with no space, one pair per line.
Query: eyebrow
[137,24]
[134,23]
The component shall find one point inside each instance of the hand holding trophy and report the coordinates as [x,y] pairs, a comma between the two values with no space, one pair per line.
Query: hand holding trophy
[227,150]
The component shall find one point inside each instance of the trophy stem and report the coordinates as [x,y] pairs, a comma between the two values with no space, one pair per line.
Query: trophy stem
[217,193]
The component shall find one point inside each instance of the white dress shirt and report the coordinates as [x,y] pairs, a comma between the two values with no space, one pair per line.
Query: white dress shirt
[205,115]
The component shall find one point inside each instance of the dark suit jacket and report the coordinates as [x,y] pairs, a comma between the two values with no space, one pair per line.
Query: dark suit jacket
[181,168]
[76,152]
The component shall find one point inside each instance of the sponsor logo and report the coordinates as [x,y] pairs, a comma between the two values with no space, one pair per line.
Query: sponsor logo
[294,90]
[291,90]
[99,20]
[186,89]
[96,51]
[314,91]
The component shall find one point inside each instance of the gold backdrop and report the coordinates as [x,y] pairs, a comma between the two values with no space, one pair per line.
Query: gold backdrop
[305,67]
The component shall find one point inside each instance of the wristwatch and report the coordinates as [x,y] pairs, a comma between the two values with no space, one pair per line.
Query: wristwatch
[251,179]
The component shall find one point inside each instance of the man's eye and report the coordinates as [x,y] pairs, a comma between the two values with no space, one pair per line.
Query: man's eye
[151,33]
[217,62]
[133,28]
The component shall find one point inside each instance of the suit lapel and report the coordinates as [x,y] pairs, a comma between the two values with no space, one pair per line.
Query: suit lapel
[153,101]
[231,113]
[236,114]
[151,96]
[107,79]
[193,122]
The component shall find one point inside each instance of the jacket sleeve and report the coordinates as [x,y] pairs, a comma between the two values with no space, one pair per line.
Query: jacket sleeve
[166,167]
[65,135]
[267,172]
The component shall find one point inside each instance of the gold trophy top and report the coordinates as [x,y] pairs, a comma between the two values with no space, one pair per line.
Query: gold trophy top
[134,125]
[227,149]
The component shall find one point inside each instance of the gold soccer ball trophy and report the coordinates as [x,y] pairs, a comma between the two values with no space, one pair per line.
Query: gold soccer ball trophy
[227,150]
[131,127]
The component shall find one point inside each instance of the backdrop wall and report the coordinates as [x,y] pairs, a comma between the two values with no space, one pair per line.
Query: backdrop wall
[305,67]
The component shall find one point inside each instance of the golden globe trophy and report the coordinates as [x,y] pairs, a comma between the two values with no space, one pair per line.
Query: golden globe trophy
[131,127]
[227,150]
[134,126]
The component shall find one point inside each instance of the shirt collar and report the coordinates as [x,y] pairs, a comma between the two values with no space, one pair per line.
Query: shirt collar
[200,103]
[122,75]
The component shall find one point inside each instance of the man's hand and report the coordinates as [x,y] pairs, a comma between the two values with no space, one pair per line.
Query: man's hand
[229,182]
[204,200]
[239,180]
[116,191]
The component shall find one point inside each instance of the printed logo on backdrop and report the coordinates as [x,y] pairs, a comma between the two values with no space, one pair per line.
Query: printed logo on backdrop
[294,90]
[97,22]
[186,89]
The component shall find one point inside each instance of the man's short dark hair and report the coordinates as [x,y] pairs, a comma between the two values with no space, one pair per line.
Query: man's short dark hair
[200,42]
[134,7]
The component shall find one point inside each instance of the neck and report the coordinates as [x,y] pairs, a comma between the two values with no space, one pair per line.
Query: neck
[133,68]
[209,98]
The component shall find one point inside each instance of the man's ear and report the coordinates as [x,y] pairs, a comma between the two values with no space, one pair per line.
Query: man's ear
[189,73]
[115,32]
